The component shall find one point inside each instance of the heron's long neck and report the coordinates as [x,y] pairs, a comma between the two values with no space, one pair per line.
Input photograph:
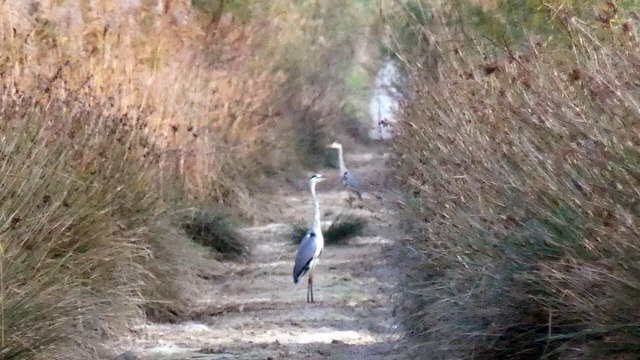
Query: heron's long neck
[316,209]
[341,161]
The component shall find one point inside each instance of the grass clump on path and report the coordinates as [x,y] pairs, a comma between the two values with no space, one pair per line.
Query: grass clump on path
[216,229]
[341,229]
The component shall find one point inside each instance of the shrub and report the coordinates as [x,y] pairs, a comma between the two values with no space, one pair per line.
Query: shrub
[343,228]
[340,230]
[215,229]
[520,163]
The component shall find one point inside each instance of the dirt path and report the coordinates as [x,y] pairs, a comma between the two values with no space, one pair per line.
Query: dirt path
[257,312]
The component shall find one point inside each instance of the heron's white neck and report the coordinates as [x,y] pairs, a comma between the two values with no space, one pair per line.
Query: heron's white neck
[341,161]
[316,208]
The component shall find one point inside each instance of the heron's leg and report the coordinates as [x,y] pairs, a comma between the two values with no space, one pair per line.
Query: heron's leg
[311,284]
[309,288]
[349,199]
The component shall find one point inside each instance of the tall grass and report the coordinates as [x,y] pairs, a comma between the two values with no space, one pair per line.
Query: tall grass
[75,213]
[117,115]
[314,54]
[520,161]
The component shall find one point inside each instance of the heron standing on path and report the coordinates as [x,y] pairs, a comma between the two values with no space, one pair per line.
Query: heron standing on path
[349,180]
[312,243]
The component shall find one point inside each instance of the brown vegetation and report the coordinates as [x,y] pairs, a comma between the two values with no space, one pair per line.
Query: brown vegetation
[521,166]
[77,215]
[116,115]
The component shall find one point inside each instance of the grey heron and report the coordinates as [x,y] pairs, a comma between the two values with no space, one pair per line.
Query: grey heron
[349,180]
[312,243]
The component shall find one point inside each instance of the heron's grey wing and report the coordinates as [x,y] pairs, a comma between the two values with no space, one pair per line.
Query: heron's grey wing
[351,181]
[306,250]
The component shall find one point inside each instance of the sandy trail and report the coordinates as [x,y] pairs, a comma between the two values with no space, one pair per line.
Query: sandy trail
[256,312]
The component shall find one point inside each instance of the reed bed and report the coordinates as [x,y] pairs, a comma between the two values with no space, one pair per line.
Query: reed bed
[519,157]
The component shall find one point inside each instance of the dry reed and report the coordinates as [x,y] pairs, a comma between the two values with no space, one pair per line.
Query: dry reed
[116,115]
[521,167]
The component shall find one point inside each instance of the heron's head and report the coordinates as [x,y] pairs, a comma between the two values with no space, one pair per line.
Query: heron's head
[335,145]
[316,178]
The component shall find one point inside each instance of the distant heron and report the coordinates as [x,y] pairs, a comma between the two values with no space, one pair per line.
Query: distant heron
[312,243]
[349,180]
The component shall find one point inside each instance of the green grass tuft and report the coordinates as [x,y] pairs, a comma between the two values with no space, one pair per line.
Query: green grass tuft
[340,230]
[344,228]
[216,229]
